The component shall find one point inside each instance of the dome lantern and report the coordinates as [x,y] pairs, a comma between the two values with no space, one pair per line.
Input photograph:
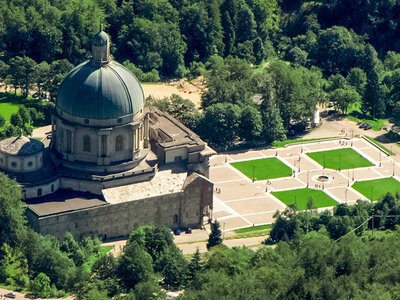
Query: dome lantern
[100,48]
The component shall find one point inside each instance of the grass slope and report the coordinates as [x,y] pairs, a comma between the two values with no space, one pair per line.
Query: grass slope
[265,168]
[342,159]
[375,189]
[7,109]
[301,196]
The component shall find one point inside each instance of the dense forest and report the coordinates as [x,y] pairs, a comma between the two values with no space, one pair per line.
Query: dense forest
[350,253]
[266,64]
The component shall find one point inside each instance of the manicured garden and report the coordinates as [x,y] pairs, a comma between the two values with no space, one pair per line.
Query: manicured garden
[375,189]
[340,159]
[301,197]
[261,169]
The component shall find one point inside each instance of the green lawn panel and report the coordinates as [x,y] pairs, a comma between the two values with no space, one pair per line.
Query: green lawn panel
[340,159]
[301,196]
[265,168]
[7,109]
[375,189]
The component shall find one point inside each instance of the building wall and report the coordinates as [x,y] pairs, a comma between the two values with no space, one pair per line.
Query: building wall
[42,189]
[21,163]
[70,142]
[174,154]
[176,210]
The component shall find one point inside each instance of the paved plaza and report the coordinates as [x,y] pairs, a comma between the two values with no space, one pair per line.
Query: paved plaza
[239,202]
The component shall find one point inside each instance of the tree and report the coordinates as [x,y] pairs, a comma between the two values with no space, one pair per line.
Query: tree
[392,60]
[183,110]
[228,81]
[221,123]
[373,98]
[3,70]
[195,268]
[173,267]
[251,124]
[24,113]
[336,50]
[357,79]
[41,75]
[40,286]
[344,97]
[22,73]
[12,218]
[134,265]
[215,237]
[16,120]
[336,81]
[2,121]
[294,92]
[298,56]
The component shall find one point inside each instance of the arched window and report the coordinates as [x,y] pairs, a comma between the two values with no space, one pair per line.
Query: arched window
[175,218]
[119,143]
[39,192]
[86,143]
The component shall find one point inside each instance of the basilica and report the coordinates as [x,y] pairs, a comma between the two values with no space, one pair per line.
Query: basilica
[110,164]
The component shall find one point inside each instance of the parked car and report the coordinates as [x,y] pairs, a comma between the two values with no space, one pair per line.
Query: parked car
[362,125]
[367,127]
[10,295]
[188,230]
[177,232]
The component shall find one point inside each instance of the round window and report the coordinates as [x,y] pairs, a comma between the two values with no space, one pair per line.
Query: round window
[86,121]
[14,164]
[30,164]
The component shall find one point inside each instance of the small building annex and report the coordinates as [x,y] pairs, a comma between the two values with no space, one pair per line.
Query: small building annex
[110,164]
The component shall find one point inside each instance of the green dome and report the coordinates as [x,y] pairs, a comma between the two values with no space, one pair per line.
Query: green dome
[100,95]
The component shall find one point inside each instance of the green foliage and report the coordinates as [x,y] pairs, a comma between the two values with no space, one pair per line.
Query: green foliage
[344,97]
[251,123]
[16,120]
[134,265]
[151,76]
[24,113]
[220,125]
[182,109]
[374,95]
[357,79]
[293,92]
[40,286]
[215,237]
[12,218]
[151,248]
[2,121]
[228,81]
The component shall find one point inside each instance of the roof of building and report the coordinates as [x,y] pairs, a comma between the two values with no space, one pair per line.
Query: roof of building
[100,39]
[63,201]
[169,179]
[101,93]
[21,146]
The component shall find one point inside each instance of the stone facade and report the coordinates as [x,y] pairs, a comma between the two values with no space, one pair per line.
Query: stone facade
[110,221]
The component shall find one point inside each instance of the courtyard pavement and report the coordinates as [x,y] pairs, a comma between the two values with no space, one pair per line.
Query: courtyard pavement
[239,202]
